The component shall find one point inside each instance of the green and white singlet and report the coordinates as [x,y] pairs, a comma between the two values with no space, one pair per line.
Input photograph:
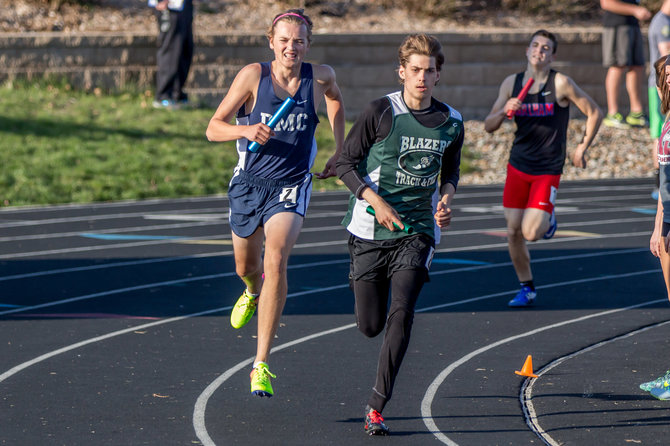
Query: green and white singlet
[404,169]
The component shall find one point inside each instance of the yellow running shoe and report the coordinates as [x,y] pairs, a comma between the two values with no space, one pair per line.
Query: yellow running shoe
[637,119]
[243,310]
[260,380]
[616,121]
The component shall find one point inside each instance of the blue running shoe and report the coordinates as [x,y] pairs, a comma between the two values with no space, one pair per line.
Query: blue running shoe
[524,298]
[552,226]
[658,382]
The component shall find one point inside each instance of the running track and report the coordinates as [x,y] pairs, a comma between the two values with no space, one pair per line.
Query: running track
[114,328]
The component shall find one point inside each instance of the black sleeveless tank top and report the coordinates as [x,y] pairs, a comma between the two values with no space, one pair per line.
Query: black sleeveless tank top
[542,124]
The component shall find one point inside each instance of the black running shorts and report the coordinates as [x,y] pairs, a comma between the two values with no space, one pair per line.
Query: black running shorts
[377,260]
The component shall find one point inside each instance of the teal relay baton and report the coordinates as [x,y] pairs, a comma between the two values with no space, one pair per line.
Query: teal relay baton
[283,110]
[407,228]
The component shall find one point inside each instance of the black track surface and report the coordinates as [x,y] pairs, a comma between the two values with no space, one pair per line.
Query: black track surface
[115,330]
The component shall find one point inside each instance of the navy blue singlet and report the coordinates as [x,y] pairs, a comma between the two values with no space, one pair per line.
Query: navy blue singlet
[291,152]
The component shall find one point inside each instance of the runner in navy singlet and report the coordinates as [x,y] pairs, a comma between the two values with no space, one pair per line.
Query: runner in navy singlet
[538,152]
[270,190]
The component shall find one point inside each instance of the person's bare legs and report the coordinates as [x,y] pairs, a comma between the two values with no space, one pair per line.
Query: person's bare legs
[524,225]
[516,244]
[665,266]
[535,224]
[613,80]
[634,88]
[248,260]
[281,233]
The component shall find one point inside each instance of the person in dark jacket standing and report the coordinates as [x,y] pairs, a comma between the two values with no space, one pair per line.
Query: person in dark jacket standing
[175,51]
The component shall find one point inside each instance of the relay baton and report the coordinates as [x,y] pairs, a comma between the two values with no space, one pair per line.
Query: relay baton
[522,96]
[406,228]
[283,110]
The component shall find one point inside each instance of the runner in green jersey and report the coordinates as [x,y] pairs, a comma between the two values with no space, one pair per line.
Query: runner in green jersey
[401,158]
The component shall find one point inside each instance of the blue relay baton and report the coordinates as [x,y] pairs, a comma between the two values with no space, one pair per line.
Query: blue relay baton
[283,110]
[406,228]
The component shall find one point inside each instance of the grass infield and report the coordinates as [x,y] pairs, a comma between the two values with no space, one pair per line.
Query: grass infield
[66,146]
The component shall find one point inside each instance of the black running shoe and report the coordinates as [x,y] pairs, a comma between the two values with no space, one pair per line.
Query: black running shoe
[374,423]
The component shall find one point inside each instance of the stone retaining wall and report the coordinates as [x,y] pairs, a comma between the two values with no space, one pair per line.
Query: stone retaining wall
[365,64]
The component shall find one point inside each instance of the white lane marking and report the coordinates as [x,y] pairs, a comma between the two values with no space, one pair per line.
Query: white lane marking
[105,231]
[296,246]
[41,358]
[122,203]
[165,283]
[188,217]
[498,209]
[93,217]
[142,215]
[495,191]
[223,210]
[112,292]
[110,265]
[90,248]
[429,396]
[196,256]
[14,370]
[551,241]
[615,221]
[610,210]
[312,265]
[525,396]
[566,188]
[201,403]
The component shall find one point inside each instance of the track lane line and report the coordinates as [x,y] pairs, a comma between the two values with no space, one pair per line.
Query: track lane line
[429,396]
[525,396]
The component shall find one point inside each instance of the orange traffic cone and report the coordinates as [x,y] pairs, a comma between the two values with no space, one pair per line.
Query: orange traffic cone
[527,369]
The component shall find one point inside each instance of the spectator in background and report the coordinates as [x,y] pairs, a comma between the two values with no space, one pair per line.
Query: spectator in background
[175,51]
[659,45]
[659,244]
[623,55]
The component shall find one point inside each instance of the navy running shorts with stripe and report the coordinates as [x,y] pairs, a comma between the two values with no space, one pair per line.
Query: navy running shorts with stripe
[253,200]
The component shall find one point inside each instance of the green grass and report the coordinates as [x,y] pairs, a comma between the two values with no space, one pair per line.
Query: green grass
[66,146]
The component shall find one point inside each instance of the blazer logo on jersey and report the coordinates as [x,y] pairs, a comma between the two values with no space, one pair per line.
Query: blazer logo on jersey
[535,109]
[419,161]
[290,123]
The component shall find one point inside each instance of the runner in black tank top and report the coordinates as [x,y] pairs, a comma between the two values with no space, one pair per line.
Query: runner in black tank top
[542,125]
[538,152]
